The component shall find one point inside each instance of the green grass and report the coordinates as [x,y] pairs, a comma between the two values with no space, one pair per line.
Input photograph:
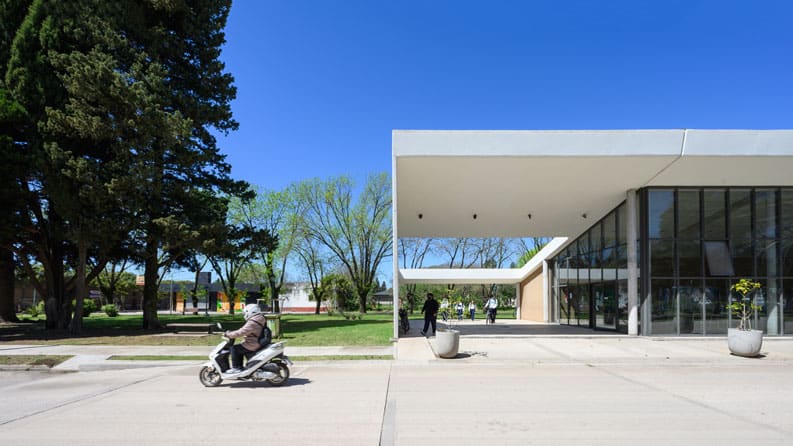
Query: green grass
[33,360]
[298,330]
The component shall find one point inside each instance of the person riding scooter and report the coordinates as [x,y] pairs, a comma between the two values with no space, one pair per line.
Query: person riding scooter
[254,324]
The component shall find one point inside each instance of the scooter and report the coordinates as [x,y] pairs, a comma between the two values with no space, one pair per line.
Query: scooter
[267,364]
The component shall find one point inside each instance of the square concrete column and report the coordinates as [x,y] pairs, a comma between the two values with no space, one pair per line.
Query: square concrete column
[631,235]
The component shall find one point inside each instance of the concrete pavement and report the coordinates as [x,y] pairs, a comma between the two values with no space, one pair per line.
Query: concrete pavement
[507,388]
[507,341]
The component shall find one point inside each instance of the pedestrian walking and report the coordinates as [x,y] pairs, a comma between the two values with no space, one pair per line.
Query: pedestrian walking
[459,308]
[430,310]
[472,310]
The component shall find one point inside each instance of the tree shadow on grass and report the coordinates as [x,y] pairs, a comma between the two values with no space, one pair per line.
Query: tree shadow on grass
[302,326]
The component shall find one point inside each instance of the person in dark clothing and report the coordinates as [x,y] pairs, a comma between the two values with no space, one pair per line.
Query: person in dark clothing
[430,310]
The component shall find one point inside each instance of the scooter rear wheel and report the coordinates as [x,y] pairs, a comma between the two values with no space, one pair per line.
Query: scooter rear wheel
[209,377]
[282,378]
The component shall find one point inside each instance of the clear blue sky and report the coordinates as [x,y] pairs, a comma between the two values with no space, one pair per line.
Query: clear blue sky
[321,84]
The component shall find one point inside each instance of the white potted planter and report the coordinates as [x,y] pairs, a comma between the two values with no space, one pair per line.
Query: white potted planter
[447,343]
[744,342]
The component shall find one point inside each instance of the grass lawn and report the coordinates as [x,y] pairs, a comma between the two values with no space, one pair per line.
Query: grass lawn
[297,330]
[31,360]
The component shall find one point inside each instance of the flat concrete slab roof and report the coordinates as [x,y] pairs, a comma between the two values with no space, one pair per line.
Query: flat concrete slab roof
[558,183]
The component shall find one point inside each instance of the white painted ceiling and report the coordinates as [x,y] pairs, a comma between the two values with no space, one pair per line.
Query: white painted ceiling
[560,176]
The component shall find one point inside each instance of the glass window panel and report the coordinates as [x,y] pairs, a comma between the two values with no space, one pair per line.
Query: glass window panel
[595,274]
[787,258]
[610,257]
[607,305]
[718,259]
[740,214]
[581,304]
[688,214]
[767,317]
[689,258]
[663,308]
[786,214]
[595,238]
[767,259]
[622,223]
[610,230]
[742,261]
[661,213]
[662,260]
[622,306]
[566,306]
[765,213]
[716,311]
[715,217]
[691,311]
[582,260]
[787,301]
[622,257]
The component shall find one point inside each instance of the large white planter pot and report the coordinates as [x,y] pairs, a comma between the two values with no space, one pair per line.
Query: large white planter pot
[447,343]
[744,342]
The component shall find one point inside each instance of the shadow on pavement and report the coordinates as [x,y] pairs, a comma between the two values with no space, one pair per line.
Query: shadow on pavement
[293,382]
[506,327]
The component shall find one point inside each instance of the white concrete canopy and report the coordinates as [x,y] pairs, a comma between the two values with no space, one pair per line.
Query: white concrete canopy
[566,180]
[558,184]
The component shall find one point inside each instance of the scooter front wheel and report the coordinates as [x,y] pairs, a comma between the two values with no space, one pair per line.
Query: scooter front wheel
[283,376]
[209,377]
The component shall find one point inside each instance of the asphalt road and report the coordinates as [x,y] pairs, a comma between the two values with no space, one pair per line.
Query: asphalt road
[393,402]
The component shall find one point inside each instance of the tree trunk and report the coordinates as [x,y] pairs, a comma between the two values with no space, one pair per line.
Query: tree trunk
[7,310]
[150,294]
[275,290]
[76,326]
[194,294]
[319,304]
[58,305]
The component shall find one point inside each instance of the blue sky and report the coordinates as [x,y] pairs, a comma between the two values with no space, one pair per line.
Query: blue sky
[321,84]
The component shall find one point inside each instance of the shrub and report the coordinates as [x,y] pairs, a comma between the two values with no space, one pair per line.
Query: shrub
[89,306]
[110,310]
[36,310]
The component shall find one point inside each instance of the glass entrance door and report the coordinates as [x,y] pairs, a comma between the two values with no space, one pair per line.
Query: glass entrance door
[606,306]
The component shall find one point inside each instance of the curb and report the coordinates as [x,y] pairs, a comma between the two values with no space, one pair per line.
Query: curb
[32,368]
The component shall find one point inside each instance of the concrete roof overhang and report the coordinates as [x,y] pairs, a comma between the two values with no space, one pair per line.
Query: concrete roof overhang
[566,180]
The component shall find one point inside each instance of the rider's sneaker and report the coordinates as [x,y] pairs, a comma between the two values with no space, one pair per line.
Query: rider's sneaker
[234,371]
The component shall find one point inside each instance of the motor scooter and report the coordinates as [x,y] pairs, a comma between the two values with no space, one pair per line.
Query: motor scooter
[266,364]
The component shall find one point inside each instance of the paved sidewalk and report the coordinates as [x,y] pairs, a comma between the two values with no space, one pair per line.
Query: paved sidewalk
[95,357]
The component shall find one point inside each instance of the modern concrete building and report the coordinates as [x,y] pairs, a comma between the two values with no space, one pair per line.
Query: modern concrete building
[650,227]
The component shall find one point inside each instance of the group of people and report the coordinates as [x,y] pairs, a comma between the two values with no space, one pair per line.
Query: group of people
[431,308]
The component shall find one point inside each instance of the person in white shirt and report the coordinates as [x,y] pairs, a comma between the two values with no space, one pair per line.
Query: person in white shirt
[472,310]
[445,309]
[491,306]
[459,308]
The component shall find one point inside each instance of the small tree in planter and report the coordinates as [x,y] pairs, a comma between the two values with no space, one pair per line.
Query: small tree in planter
[744,341]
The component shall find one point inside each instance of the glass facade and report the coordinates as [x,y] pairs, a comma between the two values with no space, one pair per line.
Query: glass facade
[693,243]
[589,278]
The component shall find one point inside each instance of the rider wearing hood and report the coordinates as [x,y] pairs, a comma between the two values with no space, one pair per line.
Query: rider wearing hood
[254,324]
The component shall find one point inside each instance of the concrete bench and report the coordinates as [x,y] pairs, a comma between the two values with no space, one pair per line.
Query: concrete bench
[176,327]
